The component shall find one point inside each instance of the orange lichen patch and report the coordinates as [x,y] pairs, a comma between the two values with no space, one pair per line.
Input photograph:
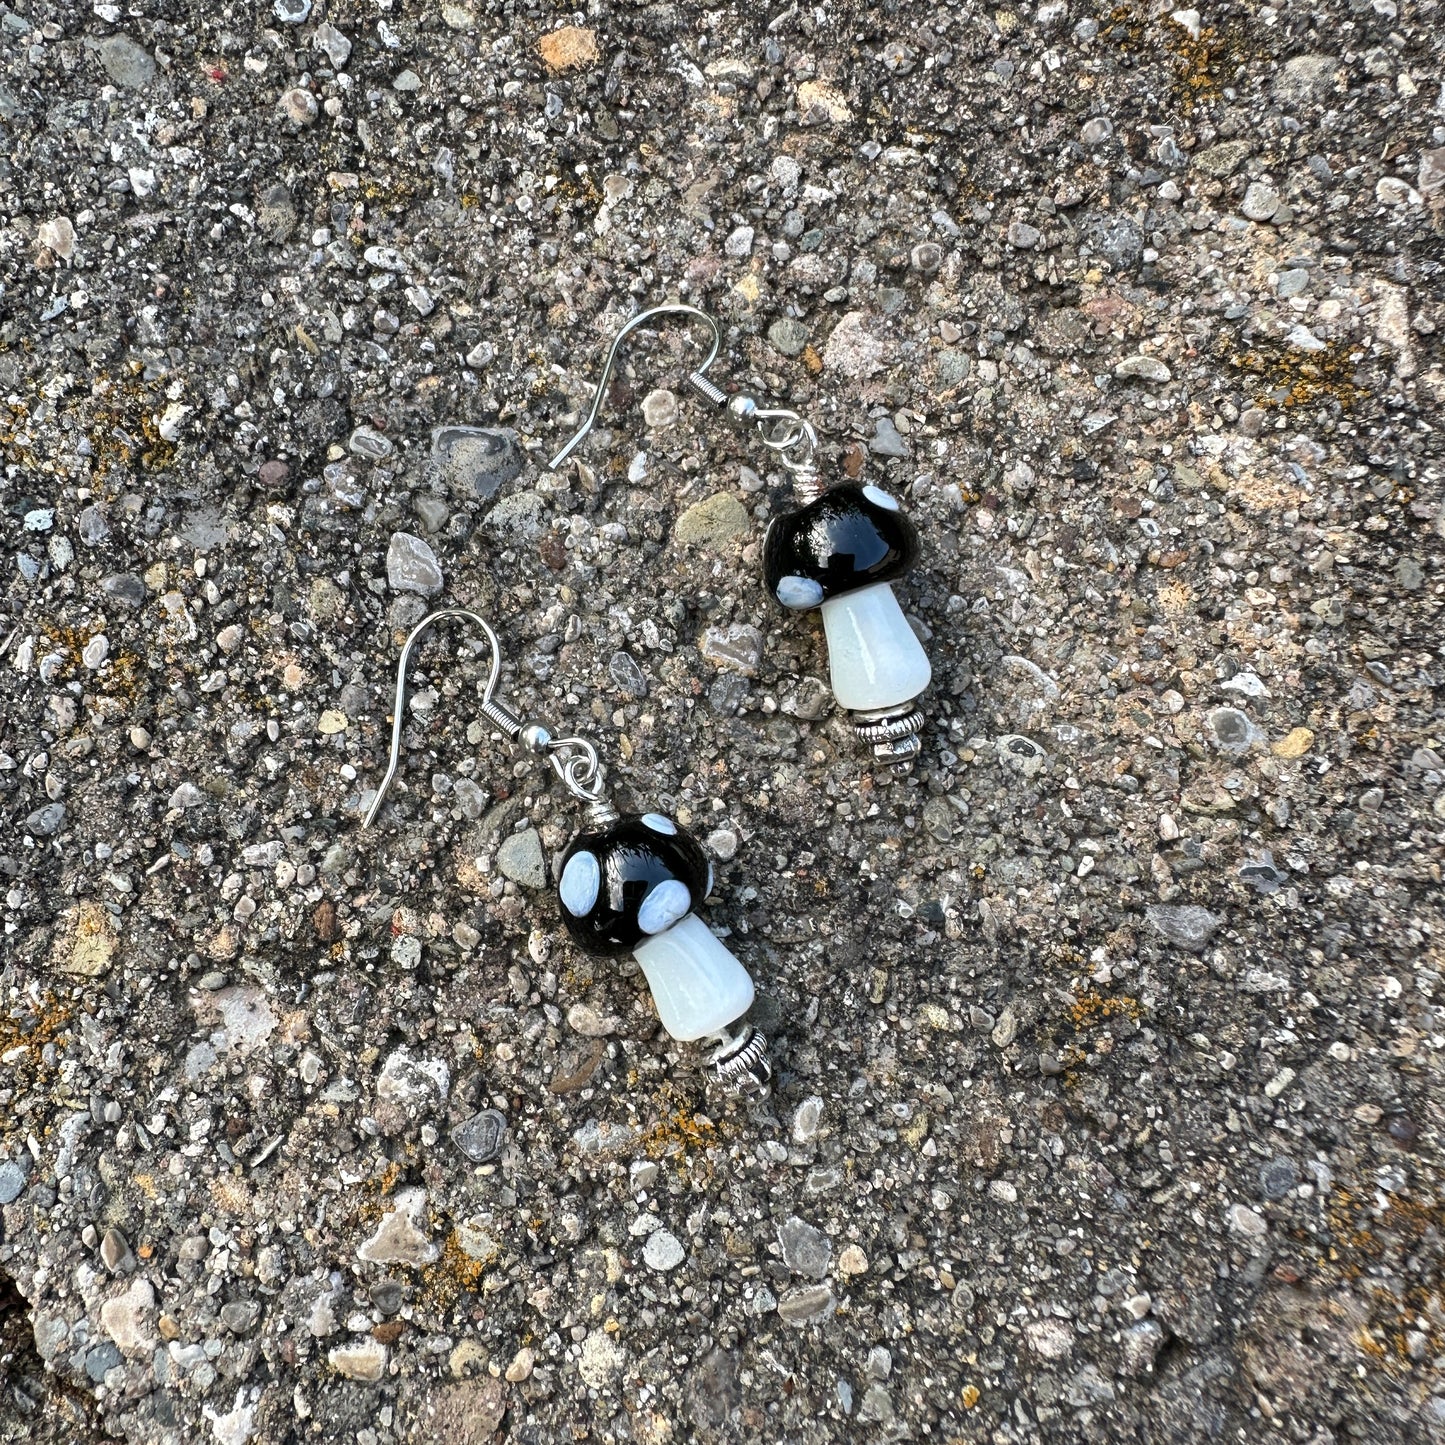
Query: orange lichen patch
[1290,377]
[677,1133]
[456,1273]
[52,1024]
[569,48]
[23,1052]
[971,1396]
[1093,1010]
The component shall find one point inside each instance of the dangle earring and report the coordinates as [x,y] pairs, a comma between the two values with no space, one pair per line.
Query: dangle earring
[838,551]
[628,883]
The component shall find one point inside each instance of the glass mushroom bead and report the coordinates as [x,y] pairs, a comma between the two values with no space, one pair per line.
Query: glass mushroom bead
[631,886]
[839,553]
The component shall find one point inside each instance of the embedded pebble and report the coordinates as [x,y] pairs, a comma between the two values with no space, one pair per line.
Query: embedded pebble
[663,1251]
[412,566]
[480,1137]
[521,859]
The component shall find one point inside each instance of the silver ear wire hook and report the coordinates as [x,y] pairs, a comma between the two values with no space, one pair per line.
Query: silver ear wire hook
[573,759]
[697,379]
[780,430]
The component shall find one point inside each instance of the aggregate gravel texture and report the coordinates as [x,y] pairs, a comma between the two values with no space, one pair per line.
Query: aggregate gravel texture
[1108,1040]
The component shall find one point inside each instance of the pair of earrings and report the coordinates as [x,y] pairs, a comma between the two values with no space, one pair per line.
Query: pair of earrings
[631,883]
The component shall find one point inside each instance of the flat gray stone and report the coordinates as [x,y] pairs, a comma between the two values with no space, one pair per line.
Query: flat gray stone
[1277,1177]
[480,1137]
[1146,368]
[476,460]
[520,858]
[412,566]
[1260,201]
[806,1250]
[1186,925]
[663,1251]
[812,1302]
[12,1181]
[738,646]
[44,822]
[624,671]
[788,335]
[125,62]
[1293,282]
[887,442]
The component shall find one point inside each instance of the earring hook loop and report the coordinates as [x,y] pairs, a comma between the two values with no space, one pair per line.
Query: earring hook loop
[399,703]
[573,759]
[697,379]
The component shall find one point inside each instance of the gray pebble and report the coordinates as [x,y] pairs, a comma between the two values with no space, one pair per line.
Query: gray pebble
[100,1360]
[1278,1177]
[663,1251]
[806,1250]
[240,1316]
[1260,201]
[1293,282]
[1184,924]
[1146,368]
[412,566]
[738,646]
[125,62]
[480,1137]
[811,1302]
[44,822]
[624,671]
[520,858]
[788,335]
[476,460]
[12,1181]
[115,1250]
[887,442]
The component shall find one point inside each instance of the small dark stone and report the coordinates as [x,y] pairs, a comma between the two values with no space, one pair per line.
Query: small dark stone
[387,1295]
[1278,1177]
[1402,1129]
[125,587]
[480,1137]
[273,474]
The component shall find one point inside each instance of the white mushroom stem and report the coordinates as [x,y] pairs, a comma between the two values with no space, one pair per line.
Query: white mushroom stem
[698,986]
[874,658]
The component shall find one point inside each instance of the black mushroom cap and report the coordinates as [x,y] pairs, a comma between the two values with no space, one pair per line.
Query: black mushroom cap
[629,880]
[851,537]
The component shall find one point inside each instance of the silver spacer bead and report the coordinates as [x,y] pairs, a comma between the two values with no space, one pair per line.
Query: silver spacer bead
[892,734]
[602,812]
[535,738]
[741,408]
[740,1063]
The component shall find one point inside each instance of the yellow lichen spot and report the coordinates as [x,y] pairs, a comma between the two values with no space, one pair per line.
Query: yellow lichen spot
[811,359]
[971,1396]
[1295,744]
[331,721]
